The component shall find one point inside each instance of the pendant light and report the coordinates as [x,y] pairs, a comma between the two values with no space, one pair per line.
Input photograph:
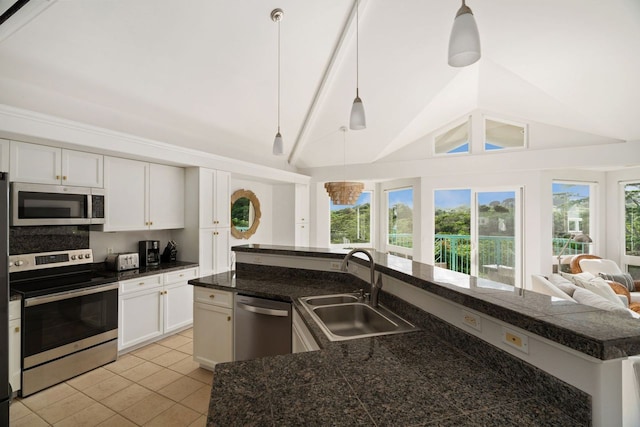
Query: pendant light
[357,120]
[278,147]
[343,192]
[464,42]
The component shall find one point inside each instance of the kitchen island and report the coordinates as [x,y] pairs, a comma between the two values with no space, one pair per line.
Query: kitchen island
[439,375]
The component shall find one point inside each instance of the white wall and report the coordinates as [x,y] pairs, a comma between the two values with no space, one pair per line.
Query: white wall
[264,193]
[126,241]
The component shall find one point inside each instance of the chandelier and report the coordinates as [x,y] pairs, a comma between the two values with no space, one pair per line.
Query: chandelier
[344,192]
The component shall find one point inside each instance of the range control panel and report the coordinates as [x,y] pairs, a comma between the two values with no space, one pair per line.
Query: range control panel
[35,261]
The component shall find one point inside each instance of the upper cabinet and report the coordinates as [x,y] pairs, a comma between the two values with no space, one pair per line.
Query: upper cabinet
[4,155]
[143,196]
[215,198]
[42,164]
[302,203]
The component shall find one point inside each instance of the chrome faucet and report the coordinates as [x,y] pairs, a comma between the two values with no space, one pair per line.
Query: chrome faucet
[375,286]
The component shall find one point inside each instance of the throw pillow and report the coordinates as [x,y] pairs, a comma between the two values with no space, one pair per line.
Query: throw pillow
[575,278]
[586,297]
[598,286]
[563,284]
[595,266]
[624,279]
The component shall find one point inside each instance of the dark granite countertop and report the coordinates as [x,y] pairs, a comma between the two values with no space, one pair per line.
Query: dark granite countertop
[408,379]
[589,330]
[164,267]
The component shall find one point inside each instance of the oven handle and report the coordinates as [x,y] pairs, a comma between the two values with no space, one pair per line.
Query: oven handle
[29,302]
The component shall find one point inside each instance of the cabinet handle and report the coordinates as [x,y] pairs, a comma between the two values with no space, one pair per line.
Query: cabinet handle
[228,318]
[17,329]
[141,283]
[212,296]
[182,275]
[150,222]
[57,176]
[64,177]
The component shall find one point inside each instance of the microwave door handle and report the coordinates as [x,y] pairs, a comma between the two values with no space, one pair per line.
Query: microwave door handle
[30,302]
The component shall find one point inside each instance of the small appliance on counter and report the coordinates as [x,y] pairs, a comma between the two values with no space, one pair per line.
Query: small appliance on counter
[170,253]
[122,261]
[149,251]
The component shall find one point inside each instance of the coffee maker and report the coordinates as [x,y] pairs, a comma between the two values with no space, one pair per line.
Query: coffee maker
[149,251]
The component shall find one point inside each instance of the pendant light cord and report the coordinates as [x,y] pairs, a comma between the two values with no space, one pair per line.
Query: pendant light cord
[357,47]
[279,75]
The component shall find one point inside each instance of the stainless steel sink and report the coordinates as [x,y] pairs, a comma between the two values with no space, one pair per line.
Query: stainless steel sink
[342,317]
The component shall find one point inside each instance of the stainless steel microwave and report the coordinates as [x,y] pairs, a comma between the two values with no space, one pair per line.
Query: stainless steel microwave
[42,204]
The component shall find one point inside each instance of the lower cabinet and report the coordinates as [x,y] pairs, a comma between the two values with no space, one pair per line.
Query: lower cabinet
[212,326]
[153,306]
[14,345]
[302,340]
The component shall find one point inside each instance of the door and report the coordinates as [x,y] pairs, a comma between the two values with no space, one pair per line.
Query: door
[496,240]
[479,232]
[38,164]
[178,306]
[140,317]
[82,169]
[126,194]
[212,334]
[166,197]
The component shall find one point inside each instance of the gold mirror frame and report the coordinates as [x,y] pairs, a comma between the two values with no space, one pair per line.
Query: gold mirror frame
[239,194]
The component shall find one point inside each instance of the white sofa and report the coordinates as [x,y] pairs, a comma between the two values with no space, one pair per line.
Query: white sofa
[596,266]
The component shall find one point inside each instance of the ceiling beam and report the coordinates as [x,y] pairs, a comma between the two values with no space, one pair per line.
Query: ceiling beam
[329,72]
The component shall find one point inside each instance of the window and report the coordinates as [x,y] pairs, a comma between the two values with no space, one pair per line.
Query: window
[571,215]
[490,245]
[500,135]
[400,220]
[351,225]
[455,140]
[632,228]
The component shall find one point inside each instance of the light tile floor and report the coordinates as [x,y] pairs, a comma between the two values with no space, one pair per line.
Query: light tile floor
[156,385]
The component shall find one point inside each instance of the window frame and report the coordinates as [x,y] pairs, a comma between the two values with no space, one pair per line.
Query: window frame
[464,120]
[626,260]
[593,213]
[371,243]
[525,126]
[394,248]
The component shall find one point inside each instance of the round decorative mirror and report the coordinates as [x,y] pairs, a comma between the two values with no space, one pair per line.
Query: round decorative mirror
[245,214]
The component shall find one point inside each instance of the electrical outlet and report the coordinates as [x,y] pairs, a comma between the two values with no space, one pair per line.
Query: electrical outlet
[334,265]
[472,320]
[516,340]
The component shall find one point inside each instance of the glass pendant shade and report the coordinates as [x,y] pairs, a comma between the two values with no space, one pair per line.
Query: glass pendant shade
[278,145]
[358,120]
[464,42]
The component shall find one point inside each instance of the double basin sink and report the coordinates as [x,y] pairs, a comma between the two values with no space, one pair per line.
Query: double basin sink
[345,316]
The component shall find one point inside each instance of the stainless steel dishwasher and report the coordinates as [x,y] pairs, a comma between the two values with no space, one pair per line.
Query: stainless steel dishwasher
[262,327]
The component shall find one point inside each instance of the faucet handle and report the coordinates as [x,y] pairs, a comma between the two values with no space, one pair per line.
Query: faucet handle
[360,291]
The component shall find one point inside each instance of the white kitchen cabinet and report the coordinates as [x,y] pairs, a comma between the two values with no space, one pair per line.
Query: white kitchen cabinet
[142,196]
[178,299]
[302,340]
[141,310]
[14,345]
[301,203]
[215,198]
[4,155]
[154,306]
[212,326]
[42,164]
[215,256]
[302,235]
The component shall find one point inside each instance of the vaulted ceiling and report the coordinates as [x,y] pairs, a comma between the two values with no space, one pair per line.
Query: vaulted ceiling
[203,73]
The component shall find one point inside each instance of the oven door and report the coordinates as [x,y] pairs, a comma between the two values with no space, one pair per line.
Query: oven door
[39,204]
[57,325]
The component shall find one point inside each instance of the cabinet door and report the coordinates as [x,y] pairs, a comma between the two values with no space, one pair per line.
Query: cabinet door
[212,334]
[82,169]
[207,196]
[302,235]
[4,155]
[14,354]
[39,164]
[126,194]
[215,256]
[301,203]
[178,306]
[222,200]
[141,318]
[166,197]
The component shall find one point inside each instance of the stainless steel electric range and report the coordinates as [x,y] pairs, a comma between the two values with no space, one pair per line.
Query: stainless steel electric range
[69,316]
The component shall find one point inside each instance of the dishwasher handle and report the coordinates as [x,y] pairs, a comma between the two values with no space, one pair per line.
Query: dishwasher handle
[262,310]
